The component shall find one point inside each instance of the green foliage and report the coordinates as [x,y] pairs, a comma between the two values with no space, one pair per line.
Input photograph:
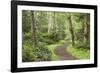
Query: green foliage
[52,29]
[39,53]
[43,53]
[79,53]
[27,36]
[51,38]
[54,57]
[41,21]
[27,53]
[80,44]
[26,20]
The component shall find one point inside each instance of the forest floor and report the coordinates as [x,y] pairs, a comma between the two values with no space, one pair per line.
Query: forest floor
[62,53]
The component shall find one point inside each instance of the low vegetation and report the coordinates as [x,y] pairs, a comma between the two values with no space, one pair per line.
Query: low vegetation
[43,31]
[79,53]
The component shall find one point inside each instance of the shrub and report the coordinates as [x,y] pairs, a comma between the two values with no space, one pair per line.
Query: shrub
[37,53]
[81,44]
[43,53]
[27,53]
[27,36]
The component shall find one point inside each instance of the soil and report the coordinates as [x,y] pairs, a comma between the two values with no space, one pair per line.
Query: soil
[63,54]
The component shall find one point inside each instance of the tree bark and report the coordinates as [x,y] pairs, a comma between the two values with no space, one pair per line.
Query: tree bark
[71,29]
[85,29]
[49,21]
[34,28]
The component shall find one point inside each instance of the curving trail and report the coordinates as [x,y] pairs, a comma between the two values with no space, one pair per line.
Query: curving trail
[63,54]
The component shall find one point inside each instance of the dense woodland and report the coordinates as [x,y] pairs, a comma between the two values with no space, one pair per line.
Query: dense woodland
[44,31]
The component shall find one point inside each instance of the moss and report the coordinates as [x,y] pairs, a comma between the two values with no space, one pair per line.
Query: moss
[79,53]
[54,57]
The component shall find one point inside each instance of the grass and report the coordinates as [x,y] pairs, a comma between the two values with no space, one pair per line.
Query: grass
[79,53]
[52,47]
[54,57]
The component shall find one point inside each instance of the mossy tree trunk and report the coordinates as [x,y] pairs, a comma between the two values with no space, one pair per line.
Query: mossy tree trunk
[34,28]
[71,29]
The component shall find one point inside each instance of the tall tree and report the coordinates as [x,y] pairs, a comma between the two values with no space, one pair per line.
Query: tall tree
[34,28]
[85,27]
[49,15]
[71,28]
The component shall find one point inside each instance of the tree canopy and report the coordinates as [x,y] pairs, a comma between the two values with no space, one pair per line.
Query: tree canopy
[41,29]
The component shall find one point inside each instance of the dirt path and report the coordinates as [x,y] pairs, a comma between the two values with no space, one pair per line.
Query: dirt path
[62,53]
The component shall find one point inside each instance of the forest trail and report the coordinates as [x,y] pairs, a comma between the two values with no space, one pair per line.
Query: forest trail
[63,54]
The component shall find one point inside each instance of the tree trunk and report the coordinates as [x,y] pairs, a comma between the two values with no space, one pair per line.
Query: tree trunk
[49,21]
[85,29]
[71,29]
[34,28]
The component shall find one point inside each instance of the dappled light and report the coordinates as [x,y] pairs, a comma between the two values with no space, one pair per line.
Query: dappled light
[53,36]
